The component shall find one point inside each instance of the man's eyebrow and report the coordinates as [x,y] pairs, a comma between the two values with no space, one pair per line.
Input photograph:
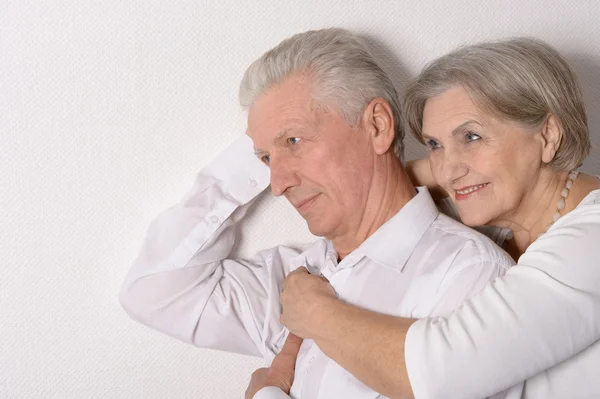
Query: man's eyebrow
[259,151]
[281,134]
[459,129]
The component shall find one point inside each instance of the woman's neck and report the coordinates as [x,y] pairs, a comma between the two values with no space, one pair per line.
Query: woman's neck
[536,213]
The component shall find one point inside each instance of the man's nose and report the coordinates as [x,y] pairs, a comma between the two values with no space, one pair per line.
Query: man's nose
[283,175]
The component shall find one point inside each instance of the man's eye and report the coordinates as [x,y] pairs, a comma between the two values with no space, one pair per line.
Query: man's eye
[266,159]
[470,136]
[293,140]
[432,144]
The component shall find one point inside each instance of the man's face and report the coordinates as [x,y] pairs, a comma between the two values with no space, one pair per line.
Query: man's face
[319,162]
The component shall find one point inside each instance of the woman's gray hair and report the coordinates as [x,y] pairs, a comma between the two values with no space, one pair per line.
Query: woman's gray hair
[343,72]
[520,80]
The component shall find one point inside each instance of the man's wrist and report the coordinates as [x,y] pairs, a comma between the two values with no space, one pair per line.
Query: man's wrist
[240,172]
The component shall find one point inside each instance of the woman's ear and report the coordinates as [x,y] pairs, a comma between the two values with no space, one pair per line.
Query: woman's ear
[551,137]
[378,120]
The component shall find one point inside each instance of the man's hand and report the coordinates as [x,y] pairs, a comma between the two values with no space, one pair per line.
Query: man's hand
[281,372]
[302,300]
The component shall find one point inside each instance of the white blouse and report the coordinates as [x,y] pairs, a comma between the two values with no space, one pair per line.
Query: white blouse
[544,314]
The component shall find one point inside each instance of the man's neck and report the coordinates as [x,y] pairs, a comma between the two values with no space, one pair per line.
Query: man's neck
[388,194]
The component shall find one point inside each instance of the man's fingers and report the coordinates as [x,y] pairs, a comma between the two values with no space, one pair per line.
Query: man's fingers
[292,344]
[257,382]
[286,359]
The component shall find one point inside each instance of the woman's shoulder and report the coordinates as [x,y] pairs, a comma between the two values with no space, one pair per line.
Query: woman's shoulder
[573,242]
[586,213]
[593,198]
[585,218]
[567,254]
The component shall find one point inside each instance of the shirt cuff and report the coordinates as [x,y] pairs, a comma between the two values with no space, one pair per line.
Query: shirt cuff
[271,393]
[242,174]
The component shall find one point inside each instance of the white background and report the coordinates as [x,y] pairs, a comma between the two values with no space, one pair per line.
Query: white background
[108,109]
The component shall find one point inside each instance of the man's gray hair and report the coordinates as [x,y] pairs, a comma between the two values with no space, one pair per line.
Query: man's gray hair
[343,72]
[520,80]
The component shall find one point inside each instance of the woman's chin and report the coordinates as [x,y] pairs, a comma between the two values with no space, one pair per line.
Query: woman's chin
[472,220]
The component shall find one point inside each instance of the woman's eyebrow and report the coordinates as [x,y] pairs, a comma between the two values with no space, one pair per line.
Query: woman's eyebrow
[457,130]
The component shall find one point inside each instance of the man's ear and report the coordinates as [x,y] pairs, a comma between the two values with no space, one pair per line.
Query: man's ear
[378,122]
[551,135]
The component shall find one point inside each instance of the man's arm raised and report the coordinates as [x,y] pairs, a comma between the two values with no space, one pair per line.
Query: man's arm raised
[183,282]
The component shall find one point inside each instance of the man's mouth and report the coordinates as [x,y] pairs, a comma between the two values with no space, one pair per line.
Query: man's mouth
[306,203]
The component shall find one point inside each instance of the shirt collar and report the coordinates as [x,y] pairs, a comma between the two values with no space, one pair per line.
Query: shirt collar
[393,243]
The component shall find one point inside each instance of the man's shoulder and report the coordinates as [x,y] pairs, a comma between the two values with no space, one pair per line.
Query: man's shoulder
[467,244]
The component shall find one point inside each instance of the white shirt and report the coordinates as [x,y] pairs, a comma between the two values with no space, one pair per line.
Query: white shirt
[419,263]
[544,312]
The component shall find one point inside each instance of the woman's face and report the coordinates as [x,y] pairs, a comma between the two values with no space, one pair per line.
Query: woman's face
[488,166]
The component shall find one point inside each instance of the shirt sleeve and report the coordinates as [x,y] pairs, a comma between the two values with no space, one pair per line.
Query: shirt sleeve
[183,283]
[271,393]
[470,277]
[545,310]
[465,282]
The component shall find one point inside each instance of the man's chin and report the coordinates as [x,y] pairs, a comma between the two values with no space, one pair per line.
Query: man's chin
[317,228]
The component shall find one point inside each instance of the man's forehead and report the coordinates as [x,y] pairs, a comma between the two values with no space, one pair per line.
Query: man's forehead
[268,123]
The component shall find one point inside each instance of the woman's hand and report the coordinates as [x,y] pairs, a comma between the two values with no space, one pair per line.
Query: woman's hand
[303,298]
[345,333]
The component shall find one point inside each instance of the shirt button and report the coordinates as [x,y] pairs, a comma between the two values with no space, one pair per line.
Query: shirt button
[253,183]
[214,219]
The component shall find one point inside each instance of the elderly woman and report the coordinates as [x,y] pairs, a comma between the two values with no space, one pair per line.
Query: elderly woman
[506,129]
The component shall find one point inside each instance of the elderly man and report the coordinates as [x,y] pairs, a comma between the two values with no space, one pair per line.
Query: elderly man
[325,125]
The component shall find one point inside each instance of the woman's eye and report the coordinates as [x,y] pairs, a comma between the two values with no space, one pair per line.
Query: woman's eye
[432,144]
[470,136]
[293,140]
[266,159]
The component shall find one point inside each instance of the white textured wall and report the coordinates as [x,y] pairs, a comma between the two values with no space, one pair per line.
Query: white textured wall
[107,110]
